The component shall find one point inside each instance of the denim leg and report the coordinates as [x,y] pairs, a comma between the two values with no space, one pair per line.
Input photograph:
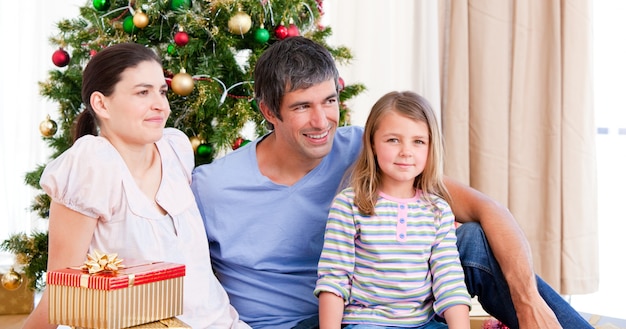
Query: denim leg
[430,325]
[310,323]
[484,279]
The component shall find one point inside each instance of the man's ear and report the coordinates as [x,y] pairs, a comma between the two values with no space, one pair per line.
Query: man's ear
[267,114]
[99,104]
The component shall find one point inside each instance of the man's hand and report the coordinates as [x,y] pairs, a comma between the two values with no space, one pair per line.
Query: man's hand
[535,314]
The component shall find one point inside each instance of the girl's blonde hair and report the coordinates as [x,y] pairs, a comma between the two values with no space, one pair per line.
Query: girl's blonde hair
[365,176]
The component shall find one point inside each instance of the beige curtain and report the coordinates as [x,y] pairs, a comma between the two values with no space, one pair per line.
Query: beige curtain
[394,46]
[518,123]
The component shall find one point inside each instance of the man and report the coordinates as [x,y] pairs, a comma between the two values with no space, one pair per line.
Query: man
[265,207]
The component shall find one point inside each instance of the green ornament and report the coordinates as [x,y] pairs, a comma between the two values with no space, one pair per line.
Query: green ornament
[204,149]
[254,104]
[171,49]
[180,4]
[245,141]
[261,35]
[101,5]
[129,26]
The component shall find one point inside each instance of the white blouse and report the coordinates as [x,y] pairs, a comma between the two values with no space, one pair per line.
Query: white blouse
[92,178]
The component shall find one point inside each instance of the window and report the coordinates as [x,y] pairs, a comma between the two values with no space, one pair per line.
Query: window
[609,88]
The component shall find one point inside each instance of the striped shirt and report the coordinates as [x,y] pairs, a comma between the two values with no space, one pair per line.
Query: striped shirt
[396,268]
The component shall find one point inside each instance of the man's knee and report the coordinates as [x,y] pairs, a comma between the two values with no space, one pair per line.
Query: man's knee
[472,244]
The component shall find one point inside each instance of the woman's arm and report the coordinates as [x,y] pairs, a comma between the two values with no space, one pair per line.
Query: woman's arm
[69,236]
[509,247]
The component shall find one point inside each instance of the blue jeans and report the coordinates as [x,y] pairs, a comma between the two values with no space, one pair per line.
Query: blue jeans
[485,280]
[313,323]
[430,325]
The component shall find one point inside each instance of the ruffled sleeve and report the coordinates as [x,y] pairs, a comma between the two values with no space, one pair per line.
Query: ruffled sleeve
[175,194]
[86,178]
[180,145]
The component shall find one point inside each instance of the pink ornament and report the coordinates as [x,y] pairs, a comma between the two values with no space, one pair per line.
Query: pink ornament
[342,84]
[492,323]
[293,31]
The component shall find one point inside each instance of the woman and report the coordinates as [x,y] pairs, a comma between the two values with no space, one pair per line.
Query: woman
[124,185]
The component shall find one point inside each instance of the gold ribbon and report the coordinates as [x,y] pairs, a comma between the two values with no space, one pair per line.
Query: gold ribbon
[102,262]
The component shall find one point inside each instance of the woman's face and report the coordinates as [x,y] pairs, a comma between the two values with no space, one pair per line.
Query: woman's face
[137,110]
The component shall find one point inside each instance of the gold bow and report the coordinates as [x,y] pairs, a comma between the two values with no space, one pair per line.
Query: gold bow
[99,262]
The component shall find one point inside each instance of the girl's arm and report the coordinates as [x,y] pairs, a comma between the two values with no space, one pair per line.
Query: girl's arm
[331,310]
[457,317]
[69,237]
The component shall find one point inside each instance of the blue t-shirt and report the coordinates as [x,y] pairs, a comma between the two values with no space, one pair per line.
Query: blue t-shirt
[265,238]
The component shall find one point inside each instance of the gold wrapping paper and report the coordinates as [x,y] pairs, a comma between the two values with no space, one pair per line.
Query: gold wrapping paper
[108,303]
[172,323]
[19,301]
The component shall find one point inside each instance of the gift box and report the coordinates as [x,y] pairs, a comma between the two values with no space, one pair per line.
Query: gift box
[136,294]
[604,322]
[17,301]
[172,323]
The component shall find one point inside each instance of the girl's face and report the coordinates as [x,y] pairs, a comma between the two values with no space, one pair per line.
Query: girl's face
[137,110]
[401,149]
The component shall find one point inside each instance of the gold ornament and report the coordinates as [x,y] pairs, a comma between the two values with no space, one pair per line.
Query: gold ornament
[182,83]
[48,127]
[22,259]
[195,142]
[140,19]
[99,262]
[240,23]
[11,280]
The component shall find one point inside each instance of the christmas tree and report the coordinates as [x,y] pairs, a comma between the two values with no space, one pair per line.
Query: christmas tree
[209,49]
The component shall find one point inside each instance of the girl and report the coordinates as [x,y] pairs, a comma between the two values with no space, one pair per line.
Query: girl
[124,185]
[389,257]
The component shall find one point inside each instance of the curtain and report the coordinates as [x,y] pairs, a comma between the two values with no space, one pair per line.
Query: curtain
[26,60]
[394,44]
[518,123]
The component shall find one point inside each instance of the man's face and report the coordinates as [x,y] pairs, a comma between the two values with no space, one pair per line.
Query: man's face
[309,121]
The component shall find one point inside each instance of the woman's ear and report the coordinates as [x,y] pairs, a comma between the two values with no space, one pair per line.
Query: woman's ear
[99,104]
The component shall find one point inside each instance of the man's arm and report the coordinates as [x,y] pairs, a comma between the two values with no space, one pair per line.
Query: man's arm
[510,248]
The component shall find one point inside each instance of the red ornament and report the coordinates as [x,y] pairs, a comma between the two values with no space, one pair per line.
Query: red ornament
[281,32]
[320,7]
[181,38]
[60,57]
[293,31]
[237,143]
[92,52]
[342,84]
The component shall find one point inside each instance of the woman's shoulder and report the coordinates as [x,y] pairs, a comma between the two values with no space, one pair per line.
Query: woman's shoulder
[180,145]
[87,151]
